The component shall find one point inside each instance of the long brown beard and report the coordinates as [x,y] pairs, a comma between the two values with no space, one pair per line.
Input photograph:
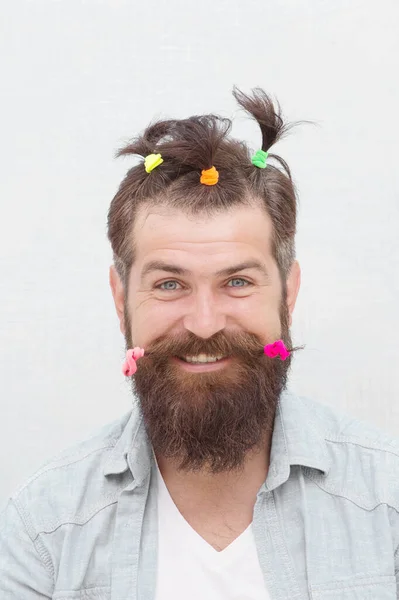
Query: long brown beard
[209,420]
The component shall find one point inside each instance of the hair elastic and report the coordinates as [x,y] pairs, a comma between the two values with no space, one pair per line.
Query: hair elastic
[152,161]
[259,159]
[209,176]
[129,366]
[276,349]
[133,354]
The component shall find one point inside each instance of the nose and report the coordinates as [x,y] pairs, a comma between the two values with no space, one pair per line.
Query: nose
[204,318]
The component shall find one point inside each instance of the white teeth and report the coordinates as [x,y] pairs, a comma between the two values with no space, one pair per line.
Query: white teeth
[202,358]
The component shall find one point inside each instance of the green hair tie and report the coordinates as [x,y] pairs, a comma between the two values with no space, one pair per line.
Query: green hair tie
[259,159]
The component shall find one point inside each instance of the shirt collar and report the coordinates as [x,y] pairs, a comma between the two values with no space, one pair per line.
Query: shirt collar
[295,441]
[132,450]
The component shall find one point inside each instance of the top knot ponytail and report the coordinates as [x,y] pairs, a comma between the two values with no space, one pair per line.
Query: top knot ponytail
[265,112]
[184,159]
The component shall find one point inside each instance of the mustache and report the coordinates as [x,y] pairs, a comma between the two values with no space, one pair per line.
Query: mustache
[240,344]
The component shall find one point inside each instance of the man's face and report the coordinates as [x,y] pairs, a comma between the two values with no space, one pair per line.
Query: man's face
[206,286]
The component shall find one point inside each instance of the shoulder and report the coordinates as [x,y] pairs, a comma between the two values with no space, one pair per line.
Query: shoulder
[338,427]
[364,459]
[72,485]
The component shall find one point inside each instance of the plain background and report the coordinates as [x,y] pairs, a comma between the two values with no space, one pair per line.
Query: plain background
[78,79]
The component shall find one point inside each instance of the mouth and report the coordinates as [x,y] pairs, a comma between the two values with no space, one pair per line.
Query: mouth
[201,366]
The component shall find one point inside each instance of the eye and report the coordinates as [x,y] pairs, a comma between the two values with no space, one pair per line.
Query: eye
[169,286]
[239,279]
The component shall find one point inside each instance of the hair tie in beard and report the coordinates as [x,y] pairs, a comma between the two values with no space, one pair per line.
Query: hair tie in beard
[276,349]
[129,366]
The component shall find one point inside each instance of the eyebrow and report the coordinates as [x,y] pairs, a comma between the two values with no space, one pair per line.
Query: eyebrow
[160,265]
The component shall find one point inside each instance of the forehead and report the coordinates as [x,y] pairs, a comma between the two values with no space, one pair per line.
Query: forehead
[242,231]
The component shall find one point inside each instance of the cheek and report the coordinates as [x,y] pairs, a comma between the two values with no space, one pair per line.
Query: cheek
[261,317]
[152,318]
[260,312]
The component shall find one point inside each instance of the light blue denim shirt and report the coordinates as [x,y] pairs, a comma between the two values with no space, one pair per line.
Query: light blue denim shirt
[326,521]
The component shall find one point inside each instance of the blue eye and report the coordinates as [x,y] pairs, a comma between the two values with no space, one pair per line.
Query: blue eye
[170,286]
[167,289]
[239,279]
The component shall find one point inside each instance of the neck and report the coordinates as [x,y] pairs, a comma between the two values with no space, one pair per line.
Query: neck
[219,507]
[203,487]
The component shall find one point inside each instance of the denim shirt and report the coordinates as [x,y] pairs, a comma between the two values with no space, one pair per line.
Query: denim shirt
[326,522]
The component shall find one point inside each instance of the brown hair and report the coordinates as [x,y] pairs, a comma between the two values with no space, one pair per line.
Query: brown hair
[200,142]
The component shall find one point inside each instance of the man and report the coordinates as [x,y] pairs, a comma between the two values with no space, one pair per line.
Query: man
[220,484]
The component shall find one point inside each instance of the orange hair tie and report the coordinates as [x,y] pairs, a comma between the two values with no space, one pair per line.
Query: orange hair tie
[209,176]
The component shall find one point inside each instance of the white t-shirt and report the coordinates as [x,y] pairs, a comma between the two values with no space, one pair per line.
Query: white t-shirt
[190,568]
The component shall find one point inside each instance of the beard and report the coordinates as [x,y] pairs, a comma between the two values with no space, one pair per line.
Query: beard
[210,420]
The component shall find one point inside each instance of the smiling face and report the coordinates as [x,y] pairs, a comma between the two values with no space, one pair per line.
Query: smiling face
[206,285]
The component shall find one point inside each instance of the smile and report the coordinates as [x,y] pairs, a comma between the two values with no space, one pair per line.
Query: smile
[202,365]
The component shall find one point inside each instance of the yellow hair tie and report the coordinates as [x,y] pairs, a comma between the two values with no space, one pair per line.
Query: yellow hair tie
[209,176]
[152,161]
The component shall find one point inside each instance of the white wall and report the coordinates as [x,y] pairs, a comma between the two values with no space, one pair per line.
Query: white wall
[78,79]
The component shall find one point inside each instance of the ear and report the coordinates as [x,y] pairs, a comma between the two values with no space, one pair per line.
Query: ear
[118,294]
[293,285]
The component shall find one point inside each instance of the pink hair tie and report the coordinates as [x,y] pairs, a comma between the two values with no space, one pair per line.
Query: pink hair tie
[276,349]
[129,366]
